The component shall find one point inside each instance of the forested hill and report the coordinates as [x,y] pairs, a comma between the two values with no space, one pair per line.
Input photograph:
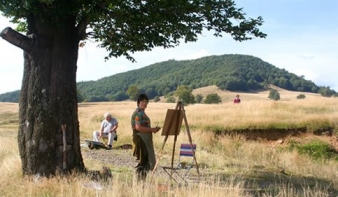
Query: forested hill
[228,72]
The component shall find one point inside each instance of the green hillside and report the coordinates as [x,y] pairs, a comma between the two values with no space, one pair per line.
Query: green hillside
[227,72]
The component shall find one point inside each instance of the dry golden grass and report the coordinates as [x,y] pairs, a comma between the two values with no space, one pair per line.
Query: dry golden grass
[229,165]
[228,96]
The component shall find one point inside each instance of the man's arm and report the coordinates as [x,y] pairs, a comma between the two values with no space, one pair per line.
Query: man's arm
[114,128]
[101,130]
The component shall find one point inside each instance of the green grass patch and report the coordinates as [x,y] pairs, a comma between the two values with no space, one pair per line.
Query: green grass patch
[318,150]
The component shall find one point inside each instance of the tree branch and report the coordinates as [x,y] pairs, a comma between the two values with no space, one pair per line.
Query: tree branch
[93,13]
[81,28]
[23,42]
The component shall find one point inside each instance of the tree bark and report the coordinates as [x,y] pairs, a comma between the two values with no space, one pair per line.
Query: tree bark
[48,97]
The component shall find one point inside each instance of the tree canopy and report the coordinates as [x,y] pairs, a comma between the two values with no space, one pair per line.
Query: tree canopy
[127,26]
[184,94]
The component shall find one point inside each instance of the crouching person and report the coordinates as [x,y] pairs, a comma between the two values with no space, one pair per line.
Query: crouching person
[108,130]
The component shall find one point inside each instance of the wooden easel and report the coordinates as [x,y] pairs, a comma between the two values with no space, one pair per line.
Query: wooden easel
[172,126]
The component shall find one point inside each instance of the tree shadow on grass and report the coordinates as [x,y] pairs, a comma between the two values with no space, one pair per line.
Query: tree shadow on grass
[263,182]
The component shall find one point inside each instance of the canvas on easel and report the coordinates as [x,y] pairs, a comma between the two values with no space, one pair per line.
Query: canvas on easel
[172,126]
[173,122]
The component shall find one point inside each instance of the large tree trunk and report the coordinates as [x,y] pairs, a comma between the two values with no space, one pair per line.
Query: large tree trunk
[48,98]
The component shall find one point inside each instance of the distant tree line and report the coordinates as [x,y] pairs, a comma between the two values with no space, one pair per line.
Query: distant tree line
[227,72]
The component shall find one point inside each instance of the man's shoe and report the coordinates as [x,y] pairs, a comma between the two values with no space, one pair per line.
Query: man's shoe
[109,147]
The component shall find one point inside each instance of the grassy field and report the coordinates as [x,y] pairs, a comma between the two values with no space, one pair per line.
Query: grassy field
[273,152]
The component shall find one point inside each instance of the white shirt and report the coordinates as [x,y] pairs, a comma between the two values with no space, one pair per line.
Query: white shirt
[108,125]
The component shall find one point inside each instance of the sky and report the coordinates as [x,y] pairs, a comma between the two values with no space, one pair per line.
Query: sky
[302,38]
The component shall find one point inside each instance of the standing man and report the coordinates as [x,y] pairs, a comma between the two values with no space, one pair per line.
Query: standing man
[107,130]
[237,99]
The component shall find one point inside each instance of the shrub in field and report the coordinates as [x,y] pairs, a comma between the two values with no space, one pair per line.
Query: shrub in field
[301,96]
[198,98]
[156,99]
[212,98]
[171,99]
[274,95]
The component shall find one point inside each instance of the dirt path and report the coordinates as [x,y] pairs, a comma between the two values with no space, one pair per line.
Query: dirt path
[116,157]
